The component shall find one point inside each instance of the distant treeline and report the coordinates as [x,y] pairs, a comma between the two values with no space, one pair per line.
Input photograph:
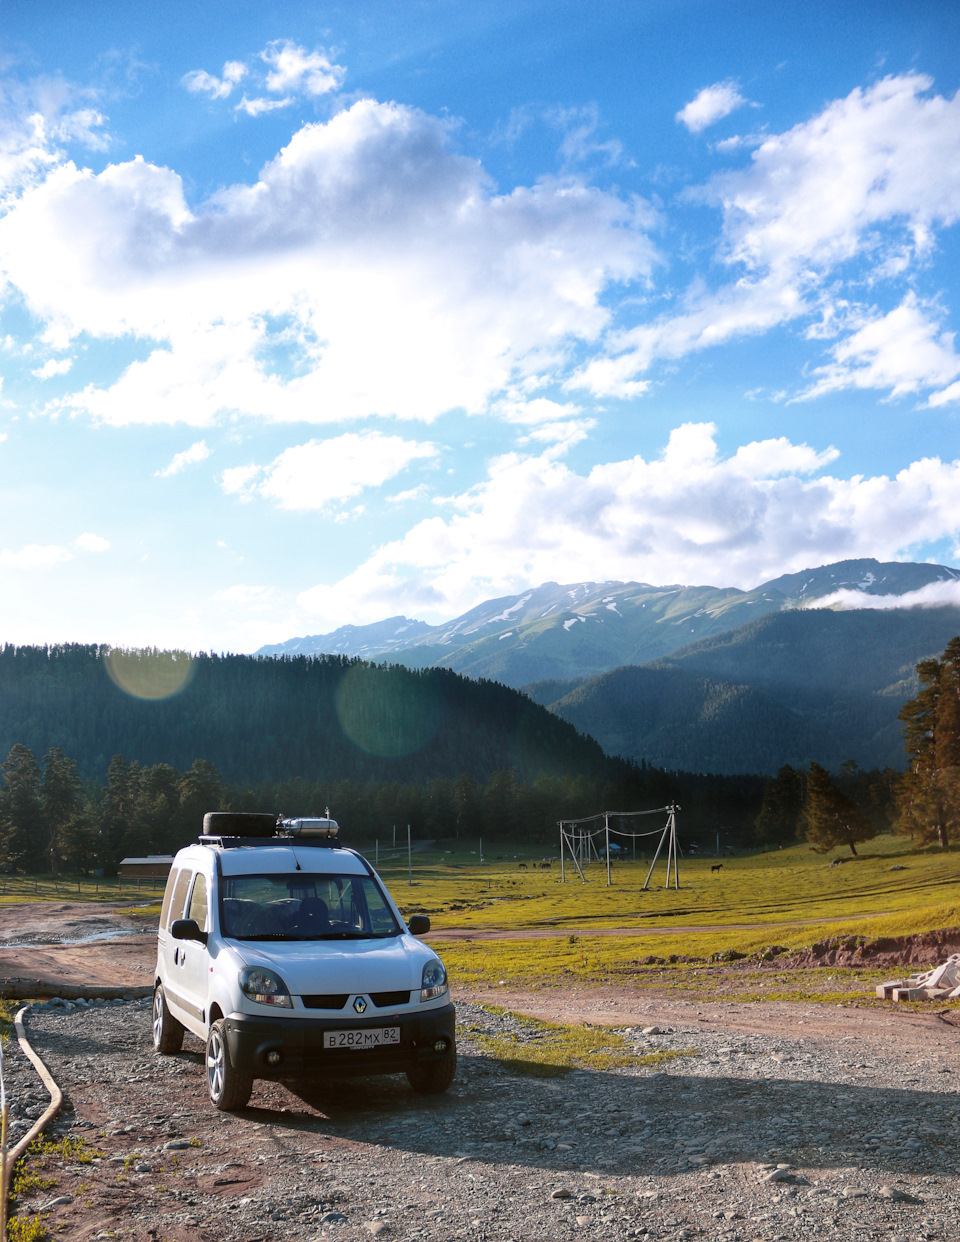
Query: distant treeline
[51,820]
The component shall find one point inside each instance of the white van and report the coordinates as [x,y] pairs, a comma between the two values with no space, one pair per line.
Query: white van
[285,953]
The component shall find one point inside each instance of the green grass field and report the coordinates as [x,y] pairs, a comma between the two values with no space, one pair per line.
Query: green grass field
[790,898]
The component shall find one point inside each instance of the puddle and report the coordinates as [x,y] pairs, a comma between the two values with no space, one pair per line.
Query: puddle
[54,942]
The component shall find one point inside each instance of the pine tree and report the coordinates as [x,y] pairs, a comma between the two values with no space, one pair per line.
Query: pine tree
[21,811]
[831,817]
[929,796]
[62,802]
[782,809]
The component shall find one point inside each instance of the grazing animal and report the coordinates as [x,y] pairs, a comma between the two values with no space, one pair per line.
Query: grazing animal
[717,867]
[544,866]
[521,866]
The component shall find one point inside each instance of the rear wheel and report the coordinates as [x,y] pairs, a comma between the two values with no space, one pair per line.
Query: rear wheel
[229,1088]
[167,1031]
[434,1077]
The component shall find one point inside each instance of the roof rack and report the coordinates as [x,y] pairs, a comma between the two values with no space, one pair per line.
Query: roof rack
[234,843]
[232,829]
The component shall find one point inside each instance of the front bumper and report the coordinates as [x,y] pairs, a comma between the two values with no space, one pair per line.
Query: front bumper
[299,1042]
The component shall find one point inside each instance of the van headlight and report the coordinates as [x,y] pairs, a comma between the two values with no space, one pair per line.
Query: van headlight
[434,980]
[265,987]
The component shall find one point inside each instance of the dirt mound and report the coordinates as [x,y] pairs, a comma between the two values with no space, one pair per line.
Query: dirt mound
[926,949]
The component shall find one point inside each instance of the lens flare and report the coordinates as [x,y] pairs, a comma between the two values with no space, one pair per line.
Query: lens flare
[150,674]
[388,712]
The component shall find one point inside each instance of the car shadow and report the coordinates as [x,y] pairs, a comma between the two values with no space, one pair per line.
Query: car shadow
[614,1123]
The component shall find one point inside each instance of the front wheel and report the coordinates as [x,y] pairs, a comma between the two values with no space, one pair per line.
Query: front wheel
[434,1077]
[229,1088]
[167,1031]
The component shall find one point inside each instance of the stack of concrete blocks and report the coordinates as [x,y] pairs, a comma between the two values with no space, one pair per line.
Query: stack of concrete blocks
[941,983]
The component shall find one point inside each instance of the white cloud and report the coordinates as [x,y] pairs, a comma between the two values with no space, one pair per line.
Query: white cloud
[34,556]
[412,493]
[36,120]
[934,595]
[687,516]
[256,596]
[293,68]
[869,179]
[189,457]
[712,104]
[53,366]
[321,474]
[88,542]
[258,105]
[369,238]
[903,351]
[199,82]
[291,71]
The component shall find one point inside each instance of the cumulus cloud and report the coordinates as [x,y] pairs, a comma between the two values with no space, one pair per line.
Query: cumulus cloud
[711,104]
[283,69]
[764,510]
[789,232]
[934,595]
[189,457]
[902,351]
[53,366]
[408,285]
[34,556]
[199,82]
[293,69]
[88,542]
[323,473]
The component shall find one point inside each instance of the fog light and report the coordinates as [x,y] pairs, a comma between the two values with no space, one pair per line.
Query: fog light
[440,1045]
[274,1057]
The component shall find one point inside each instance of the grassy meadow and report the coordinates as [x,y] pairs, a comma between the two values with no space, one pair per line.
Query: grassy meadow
[666,937]
[666,940]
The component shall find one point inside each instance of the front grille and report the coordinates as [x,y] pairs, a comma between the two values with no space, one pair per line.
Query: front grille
[383,1000]
[327,1000]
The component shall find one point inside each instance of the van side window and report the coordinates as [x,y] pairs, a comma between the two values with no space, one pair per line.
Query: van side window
[168,894]
[198,902]
[179,899]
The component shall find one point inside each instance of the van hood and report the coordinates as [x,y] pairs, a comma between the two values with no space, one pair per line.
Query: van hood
[311,966]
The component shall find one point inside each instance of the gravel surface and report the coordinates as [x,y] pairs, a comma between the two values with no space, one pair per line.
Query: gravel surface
[747,1137]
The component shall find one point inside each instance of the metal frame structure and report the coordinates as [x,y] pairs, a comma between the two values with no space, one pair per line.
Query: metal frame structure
[579,842]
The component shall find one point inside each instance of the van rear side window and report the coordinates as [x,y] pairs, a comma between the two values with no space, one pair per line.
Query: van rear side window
[167,895]
[198,902]
[179,898]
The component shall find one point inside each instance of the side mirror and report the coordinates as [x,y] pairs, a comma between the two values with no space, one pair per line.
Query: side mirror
[187,929]
[419,924]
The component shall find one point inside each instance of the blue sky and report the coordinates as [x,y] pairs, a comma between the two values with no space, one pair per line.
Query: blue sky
[319,313]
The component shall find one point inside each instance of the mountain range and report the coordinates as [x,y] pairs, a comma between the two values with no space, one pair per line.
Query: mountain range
[695,677]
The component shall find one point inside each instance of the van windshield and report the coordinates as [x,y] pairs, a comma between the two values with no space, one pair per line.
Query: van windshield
[301,906]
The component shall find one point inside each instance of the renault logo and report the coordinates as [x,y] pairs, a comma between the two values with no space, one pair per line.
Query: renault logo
[359,1004]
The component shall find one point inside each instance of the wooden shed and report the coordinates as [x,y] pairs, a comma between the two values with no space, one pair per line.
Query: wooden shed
[154,865]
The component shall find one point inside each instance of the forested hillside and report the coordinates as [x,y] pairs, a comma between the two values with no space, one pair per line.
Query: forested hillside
[255,719]
[93,774]
[785,689]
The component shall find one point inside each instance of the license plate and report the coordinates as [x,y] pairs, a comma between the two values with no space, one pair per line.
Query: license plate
[376,1037]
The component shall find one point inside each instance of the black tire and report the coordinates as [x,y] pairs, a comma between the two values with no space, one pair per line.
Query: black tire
[238,824]
[229,1088]
[167,1031]
[434,1077]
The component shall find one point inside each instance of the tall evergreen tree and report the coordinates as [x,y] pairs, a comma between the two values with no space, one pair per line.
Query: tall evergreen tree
[62,802]
[831,817]
[21,811]
[929,798]
[781,812]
